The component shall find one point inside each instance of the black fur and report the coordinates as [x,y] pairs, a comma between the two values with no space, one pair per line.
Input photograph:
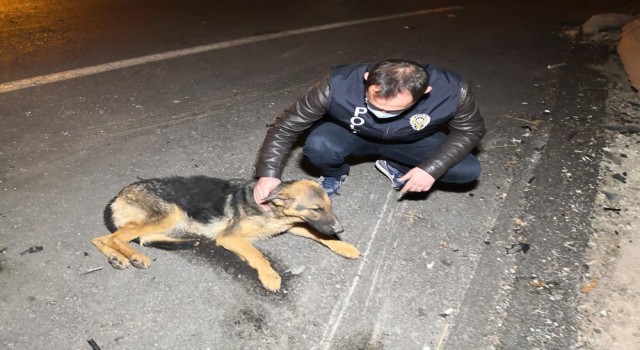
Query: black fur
[169,245]
[107,216]
[201,197]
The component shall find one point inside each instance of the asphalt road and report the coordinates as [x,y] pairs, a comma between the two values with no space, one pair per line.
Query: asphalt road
[435,271]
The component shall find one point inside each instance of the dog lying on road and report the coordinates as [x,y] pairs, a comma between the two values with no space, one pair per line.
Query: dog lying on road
[163,212]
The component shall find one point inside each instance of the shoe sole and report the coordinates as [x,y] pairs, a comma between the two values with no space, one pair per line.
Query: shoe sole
[387,174]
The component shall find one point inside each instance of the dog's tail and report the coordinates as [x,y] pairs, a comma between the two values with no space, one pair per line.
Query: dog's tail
[107,216]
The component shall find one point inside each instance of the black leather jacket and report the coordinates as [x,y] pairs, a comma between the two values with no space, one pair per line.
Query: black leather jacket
[466,129]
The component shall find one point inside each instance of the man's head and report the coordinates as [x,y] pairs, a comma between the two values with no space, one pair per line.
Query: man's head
[394,85]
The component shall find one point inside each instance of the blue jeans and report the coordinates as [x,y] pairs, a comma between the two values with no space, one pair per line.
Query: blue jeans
[328,145]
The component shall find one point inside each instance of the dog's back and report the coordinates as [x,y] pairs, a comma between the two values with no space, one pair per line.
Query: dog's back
[201,198]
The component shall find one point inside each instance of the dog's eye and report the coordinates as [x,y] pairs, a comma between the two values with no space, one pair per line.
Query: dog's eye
[318,210]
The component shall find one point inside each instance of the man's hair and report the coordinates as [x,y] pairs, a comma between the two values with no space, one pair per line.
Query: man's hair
[394,76]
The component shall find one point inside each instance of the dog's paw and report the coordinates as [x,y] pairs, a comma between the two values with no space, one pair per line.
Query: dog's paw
[140,261]
[118,263]
[345,249]
[270,280]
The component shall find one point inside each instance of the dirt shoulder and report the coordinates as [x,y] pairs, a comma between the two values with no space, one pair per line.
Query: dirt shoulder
[610,307]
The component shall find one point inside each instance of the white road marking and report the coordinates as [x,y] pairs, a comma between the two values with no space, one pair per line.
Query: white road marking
[338,312]
[111,66]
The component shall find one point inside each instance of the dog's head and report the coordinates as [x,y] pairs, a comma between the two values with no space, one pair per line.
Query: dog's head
[308,202]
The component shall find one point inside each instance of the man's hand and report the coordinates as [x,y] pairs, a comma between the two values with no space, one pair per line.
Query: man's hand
[263,188]
[417,180]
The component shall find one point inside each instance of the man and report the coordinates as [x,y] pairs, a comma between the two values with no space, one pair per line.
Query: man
[395,109]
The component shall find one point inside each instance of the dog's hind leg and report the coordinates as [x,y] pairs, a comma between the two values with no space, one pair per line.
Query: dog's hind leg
[337,246]
[247,252]
[115,258]
[116,245]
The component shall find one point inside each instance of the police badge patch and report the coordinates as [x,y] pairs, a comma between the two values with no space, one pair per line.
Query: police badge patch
[419,121]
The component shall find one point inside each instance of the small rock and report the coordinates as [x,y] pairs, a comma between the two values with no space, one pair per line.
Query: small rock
[446,262]
[296,270]
[619,178]
[446,312]
[33,249]
[523,247]
[611,196]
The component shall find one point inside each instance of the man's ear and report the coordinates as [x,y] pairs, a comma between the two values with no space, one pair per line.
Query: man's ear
[366,75]
[428,90]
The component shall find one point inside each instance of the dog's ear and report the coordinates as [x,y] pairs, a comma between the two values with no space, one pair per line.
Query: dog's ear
[278,197]
[278,200]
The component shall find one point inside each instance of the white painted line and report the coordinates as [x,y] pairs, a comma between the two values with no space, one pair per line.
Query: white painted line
[101,68]
[338,312]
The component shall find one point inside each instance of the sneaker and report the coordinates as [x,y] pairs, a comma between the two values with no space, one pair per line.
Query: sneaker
[392,173]
[331,184]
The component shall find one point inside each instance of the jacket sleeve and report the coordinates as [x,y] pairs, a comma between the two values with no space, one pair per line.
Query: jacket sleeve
[292,122]
[466,129]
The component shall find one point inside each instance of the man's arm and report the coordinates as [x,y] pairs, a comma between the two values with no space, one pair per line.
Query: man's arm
[308,109]
[466,130]
[297,118]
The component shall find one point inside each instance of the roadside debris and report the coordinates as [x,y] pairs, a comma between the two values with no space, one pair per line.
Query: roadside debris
[612,209]
[413,216]
[91,270]
[446,262]
[554,66]
[446,313]
[611,196]
[589,286]
[519,247]
[537,284]
[93,344]
[296,270]
[620,178]
[34,249]
[543,285]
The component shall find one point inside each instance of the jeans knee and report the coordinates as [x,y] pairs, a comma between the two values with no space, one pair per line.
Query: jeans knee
[321,151]
[463,173]
[472,173]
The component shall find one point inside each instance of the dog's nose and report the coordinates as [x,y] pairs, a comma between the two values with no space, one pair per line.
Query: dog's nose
[337,228]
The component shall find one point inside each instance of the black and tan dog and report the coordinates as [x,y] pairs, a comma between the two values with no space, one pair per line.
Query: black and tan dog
[162,212]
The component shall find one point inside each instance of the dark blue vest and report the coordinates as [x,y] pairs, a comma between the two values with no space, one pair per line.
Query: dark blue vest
[347,108]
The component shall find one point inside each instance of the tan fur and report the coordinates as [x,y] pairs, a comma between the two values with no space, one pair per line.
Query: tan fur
[140,213]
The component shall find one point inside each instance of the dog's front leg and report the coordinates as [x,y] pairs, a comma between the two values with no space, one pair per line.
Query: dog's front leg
[337,246]
[247,252]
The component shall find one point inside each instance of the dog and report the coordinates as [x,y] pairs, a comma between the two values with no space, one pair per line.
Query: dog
[173,212]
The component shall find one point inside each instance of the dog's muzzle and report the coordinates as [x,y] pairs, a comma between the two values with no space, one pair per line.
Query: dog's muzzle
[337,228]
[328,228]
